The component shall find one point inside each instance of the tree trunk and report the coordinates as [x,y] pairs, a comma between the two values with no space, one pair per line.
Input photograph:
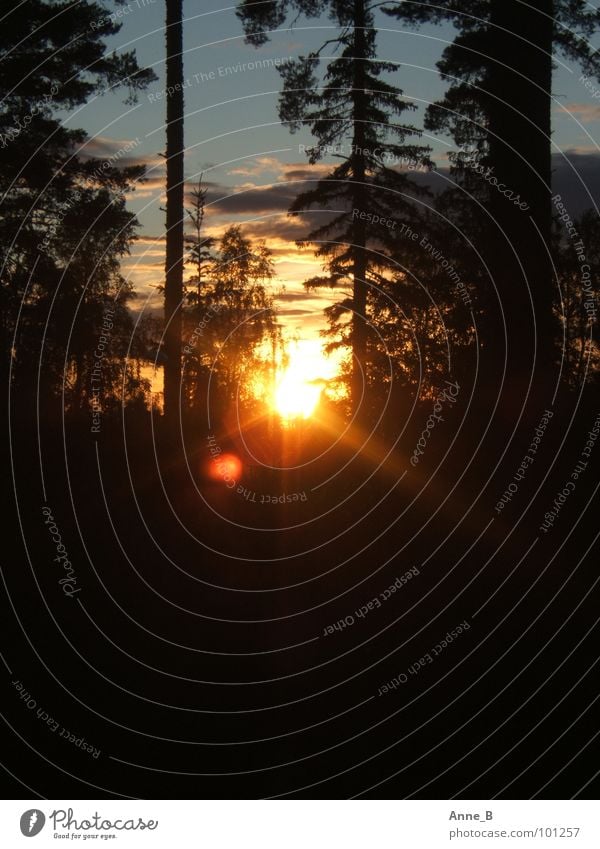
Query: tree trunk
[359,272]
[175,212]
[520,156]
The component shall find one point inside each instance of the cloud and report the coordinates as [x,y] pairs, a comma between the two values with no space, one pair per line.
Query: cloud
[294,313]
[281,230]
[301,172]
[587,112]
[262,212]
[294,297]
[251,200]
[150,240]
[576,177]
[259,166]
[101,147]
[267,166]
[120,152]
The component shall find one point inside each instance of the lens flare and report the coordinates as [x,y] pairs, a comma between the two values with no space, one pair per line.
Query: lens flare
[295,398]
[225,467]
[299,386]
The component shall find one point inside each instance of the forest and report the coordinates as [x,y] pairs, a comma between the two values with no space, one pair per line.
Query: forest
[301,461]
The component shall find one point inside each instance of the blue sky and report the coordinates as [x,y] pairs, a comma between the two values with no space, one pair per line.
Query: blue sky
[233,134]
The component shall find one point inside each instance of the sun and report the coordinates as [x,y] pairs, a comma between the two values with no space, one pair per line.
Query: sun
[299,386]
[295,397]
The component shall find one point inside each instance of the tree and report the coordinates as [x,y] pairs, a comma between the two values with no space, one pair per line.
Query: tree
[259,18]
[497,108]
[578,267]
[231,326]
[200,247]
[202,258]
[354,111]
[90,304]
[50,192]
[174,259]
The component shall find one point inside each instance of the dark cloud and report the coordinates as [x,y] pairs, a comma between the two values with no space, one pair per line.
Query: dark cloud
[119,152]
[576,177]
[282,227]
[316,172]
[250,201]
[295,296]
[101,146]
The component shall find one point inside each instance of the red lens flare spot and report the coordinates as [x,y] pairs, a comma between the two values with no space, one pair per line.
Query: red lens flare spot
[226,467]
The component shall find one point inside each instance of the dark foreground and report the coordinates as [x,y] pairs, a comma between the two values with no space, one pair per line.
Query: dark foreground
[387,633]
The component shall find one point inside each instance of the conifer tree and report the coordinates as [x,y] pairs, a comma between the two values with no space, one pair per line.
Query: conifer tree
[174,255]
[350,109]
[498,110]
[55,58]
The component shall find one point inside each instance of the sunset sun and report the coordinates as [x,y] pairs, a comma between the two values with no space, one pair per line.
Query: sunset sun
[299,386]
[295,396]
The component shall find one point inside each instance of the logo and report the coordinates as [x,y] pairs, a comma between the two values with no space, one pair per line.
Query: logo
[32,822]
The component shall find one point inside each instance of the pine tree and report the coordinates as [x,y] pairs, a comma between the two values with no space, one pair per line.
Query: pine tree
[577,260]
[174,259]
[355,112]
[498,110]
[54,59]
[259,19]
[230,323]
[200,247]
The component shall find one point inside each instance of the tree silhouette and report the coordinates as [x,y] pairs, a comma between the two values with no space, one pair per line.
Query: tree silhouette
[231,326]
[352,110]
[578,266]
[200,247]
[64,223]
[174,259]
[498,108]
[258,19]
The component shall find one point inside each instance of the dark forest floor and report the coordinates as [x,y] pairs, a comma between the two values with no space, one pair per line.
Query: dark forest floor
[198,653]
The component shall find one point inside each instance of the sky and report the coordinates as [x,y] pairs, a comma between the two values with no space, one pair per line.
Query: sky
[251,164]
